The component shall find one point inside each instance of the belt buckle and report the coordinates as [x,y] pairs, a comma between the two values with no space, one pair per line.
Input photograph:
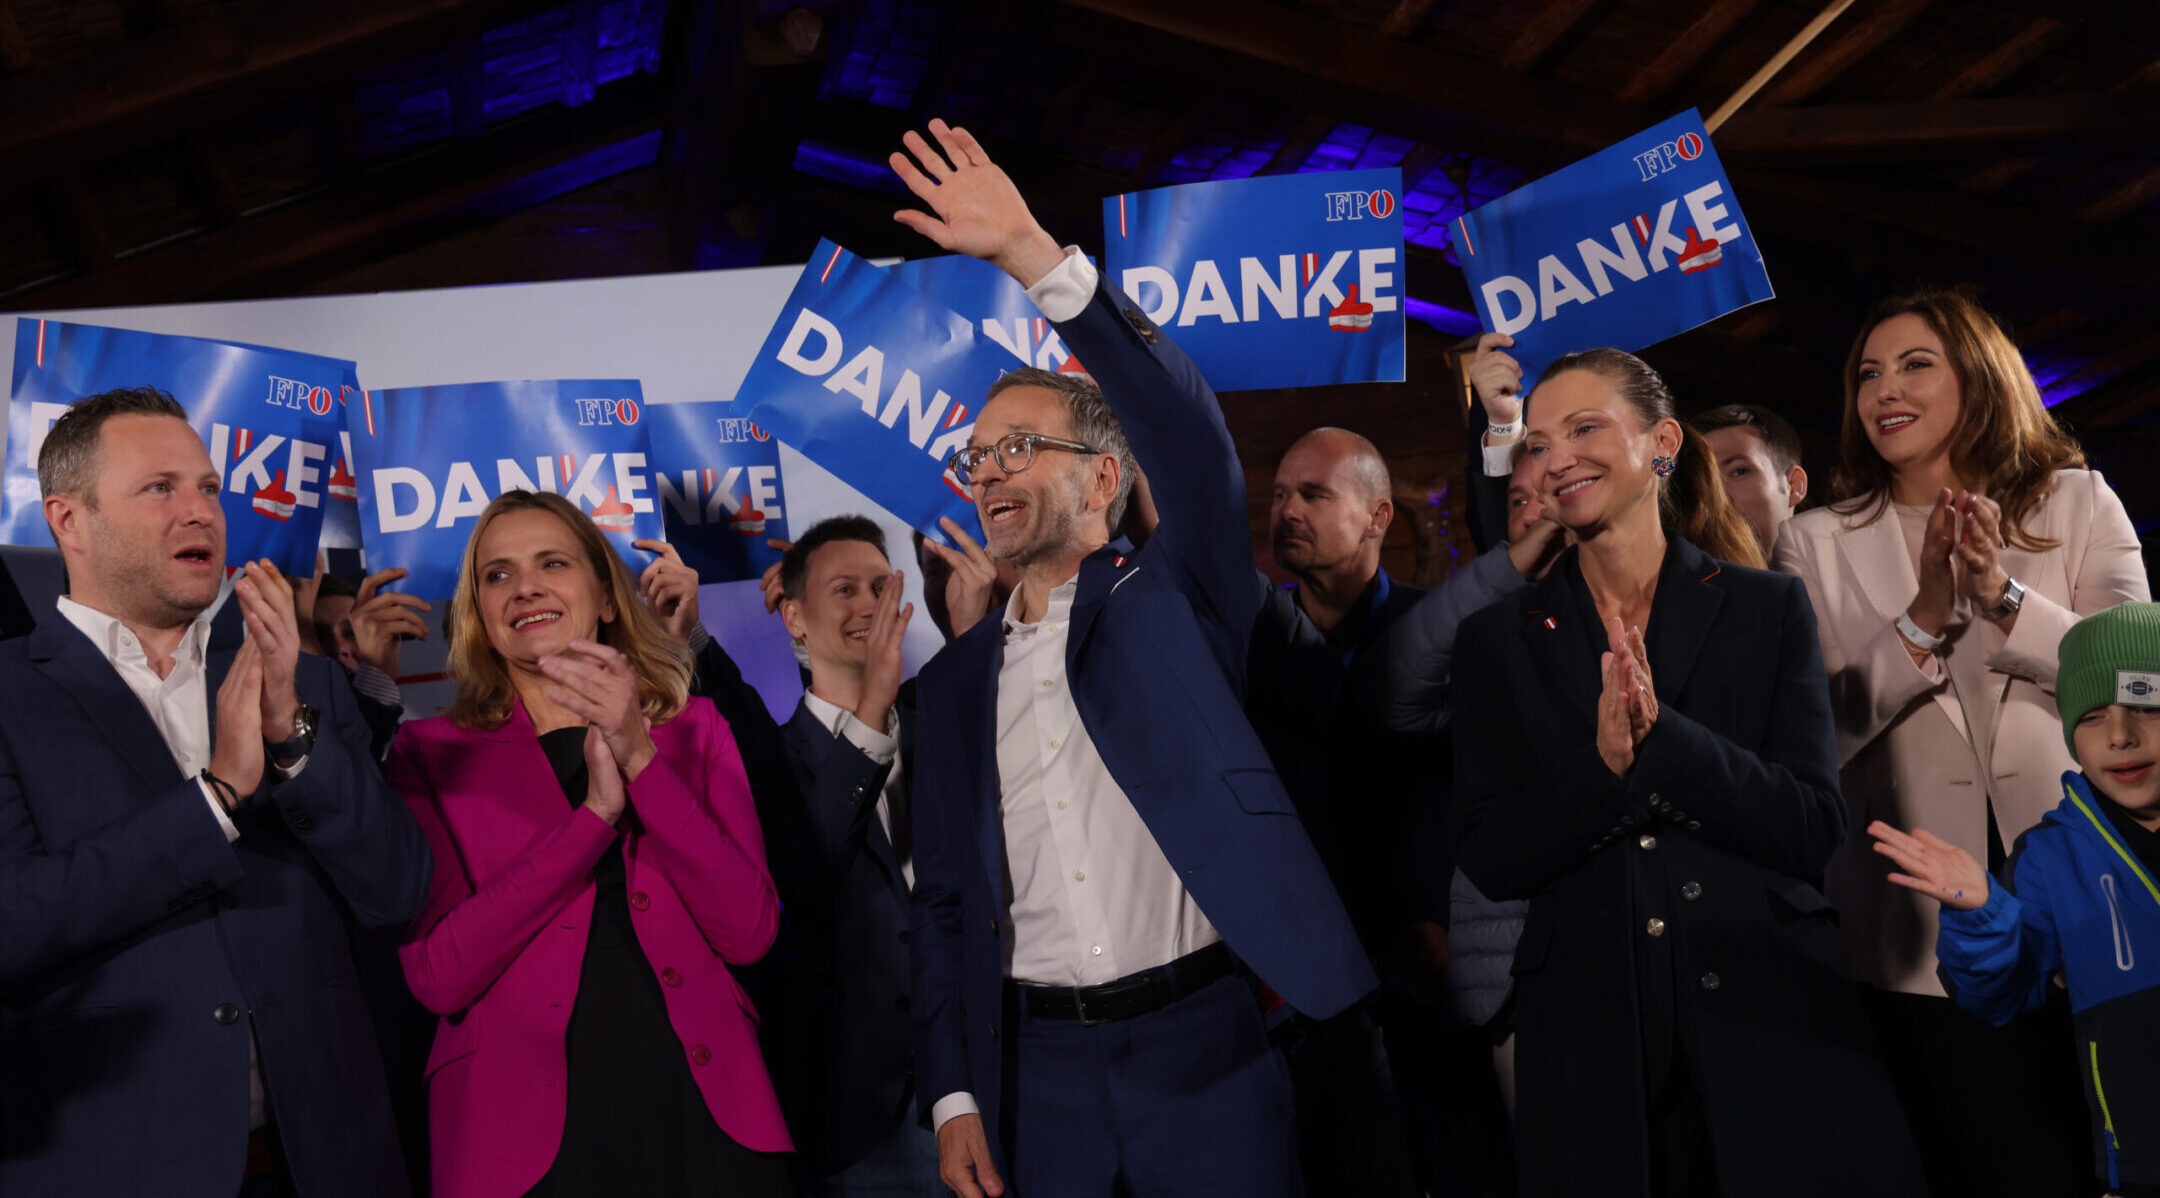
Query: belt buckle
[1080,1005]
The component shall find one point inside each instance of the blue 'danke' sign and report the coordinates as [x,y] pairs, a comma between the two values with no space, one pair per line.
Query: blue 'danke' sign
[1283,281]
[994,300]
[430,460]
[1634,244]
[717,477]
[269,418]
[876,382]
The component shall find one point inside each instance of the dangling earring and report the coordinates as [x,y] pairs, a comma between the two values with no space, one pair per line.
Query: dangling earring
[1663,465]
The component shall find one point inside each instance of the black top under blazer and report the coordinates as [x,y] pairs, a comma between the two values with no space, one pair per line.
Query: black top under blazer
[1720,831]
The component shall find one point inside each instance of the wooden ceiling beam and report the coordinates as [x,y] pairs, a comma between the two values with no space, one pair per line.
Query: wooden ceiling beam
[1456,92]
[2004,60]
[455,187]
[1552,24]
[232,58]
[1405,18]
[14,48]
[1299,145]
[1683,53]
[1172,135]
[1829,132]
[1819,69]
[2123,200]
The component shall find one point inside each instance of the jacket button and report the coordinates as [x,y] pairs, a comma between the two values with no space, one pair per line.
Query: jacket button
[301,823]
[639,900]
[1658,801]
[699,1054]
[1710,981]
[1647,842]
[1656,926]
[227,899]
[901,1003]
[672,978]
[859,793]
[993,1030]
[226,1014]
[1694,825]
[1691,891]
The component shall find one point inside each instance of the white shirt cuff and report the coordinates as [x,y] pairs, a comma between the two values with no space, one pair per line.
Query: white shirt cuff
[287,773]
[217,809]
[876,745]
[1069,287]
[951,1107]
[1500,459]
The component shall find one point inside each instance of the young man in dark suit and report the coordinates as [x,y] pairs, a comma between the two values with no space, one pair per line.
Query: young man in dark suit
[178,1009]
[1102,847]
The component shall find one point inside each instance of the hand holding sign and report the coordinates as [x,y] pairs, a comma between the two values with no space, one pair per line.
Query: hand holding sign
[1497,377]
[382,619]
[979,211]
[670,588]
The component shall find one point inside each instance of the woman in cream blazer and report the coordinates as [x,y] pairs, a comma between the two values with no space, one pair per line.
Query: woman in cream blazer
[1967,538]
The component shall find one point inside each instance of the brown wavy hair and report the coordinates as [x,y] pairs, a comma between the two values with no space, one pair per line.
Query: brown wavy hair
[2006,445]
[484,694]
[1691,501]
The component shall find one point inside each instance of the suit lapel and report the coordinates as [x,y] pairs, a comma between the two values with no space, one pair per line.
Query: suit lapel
[1557,623]
[976,668]
[1681,616]
[1100,574]
[63,654]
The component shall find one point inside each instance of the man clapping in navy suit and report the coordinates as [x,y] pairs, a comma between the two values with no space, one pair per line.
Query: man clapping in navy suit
[1104,857]
[179,1015]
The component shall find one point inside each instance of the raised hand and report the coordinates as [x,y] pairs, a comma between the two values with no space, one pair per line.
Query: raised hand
[380,618]
[598,684]
[1932,608]
[978,210]
[770,583]
[973,581]
[273,624]
[882,668]
[1981,576]
[1932,866]
[604,792]
[1497,377]
[237,756]
[669,588]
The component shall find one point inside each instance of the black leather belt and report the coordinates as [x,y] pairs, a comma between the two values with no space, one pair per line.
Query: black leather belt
[1130,996]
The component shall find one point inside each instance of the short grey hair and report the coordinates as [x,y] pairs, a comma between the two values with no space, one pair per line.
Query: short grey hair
[1093,423]
[67,462]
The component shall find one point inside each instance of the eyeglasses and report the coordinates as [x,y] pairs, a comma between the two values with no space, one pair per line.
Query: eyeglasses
[1015,452]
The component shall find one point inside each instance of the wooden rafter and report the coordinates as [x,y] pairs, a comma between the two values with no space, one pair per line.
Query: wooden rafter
[1545,30]
[1404,19]
[1941,126]
[1998,175]
[2125,199]
[1820,69]
[1299,145]
[2004,60]
[14,49]
[1682,53]
[229,59]
[1169,137]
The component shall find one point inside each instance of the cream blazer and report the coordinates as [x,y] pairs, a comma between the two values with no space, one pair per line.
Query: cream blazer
[1920,748]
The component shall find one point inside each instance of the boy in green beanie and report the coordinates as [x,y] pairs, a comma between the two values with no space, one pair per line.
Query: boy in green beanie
[2081,894]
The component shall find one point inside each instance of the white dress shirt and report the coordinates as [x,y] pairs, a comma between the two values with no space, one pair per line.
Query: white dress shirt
[179,704]
[883,748]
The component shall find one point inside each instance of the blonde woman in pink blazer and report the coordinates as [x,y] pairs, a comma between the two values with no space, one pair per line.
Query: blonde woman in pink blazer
[1966,536]
[600,866]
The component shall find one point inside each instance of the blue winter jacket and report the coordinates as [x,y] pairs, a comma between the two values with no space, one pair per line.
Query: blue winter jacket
[2078,902]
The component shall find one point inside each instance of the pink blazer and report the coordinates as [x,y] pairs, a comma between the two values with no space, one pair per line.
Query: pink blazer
[498,949]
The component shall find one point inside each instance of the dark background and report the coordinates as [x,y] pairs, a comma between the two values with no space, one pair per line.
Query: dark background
[161,151]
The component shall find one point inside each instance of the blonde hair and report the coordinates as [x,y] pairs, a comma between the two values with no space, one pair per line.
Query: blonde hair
[484,694]
[2006,444]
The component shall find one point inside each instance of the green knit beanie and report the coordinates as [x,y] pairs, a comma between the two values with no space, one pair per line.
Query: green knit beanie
[2108,657]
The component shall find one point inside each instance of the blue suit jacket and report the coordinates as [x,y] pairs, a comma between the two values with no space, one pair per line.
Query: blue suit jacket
[128,923]
[1156,656]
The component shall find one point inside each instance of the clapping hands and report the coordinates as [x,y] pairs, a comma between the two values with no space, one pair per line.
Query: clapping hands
[1628,707]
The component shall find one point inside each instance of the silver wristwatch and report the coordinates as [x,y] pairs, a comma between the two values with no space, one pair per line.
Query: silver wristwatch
[2013,598]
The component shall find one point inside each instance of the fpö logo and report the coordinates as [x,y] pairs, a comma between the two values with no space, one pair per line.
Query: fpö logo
[1667,158]
[1357,205]
[736,431]
[298,394]
[601,413]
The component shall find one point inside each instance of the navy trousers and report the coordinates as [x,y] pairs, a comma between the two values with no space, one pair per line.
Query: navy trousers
[1184,1102]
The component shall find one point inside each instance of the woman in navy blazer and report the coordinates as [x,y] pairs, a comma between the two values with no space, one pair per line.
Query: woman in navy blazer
[600,868]
[1644,750]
